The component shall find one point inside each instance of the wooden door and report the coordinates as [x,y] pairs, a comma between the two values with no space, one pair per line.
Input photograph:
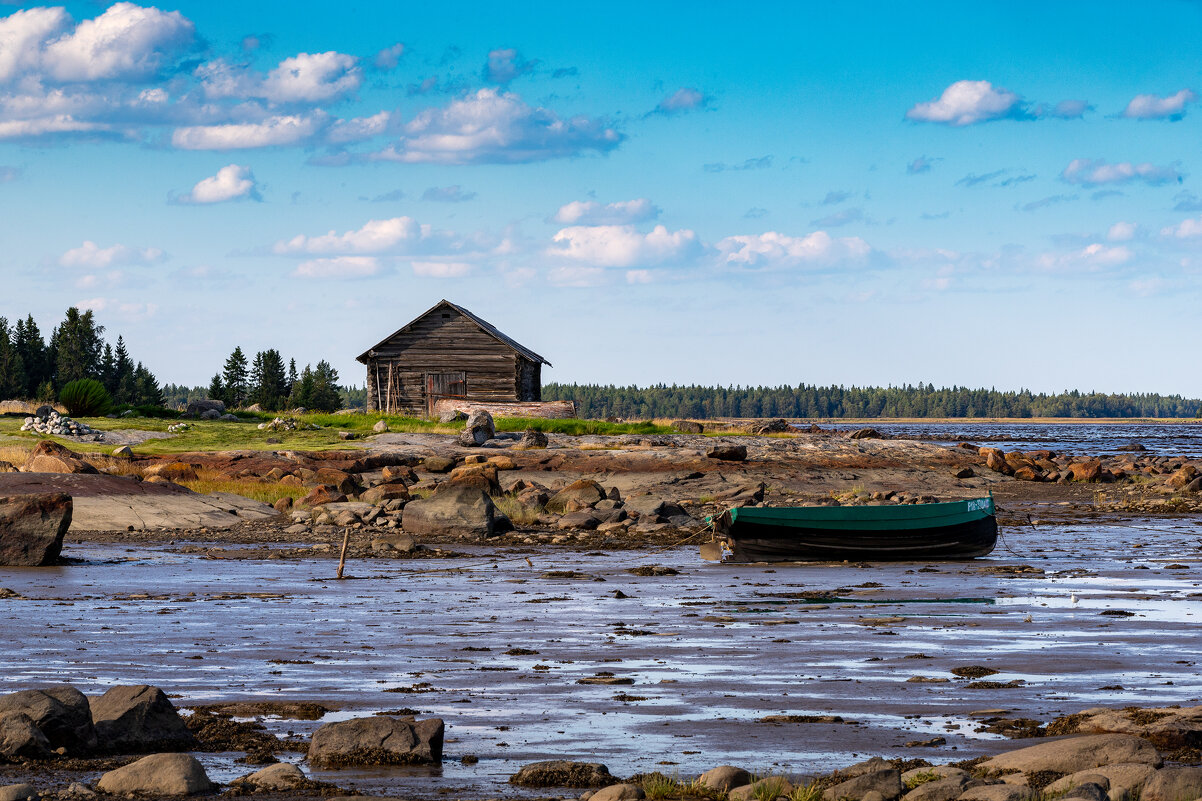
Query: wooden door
[444,385]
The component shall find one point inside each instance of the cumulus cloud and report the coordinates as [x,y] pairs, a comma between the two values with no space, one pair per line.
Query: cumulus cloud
[340,267]
[506,64]
[448,194]
[24,34]
[274,131]
[776,251]
[232,182]
[624,246]
[1095,172]
[359,129]
[91,256]
[1095,256]
[1186,229]
[491,126]
[376,236]
[126,42]
[590,212]
[683,99]
[969,102]
[312,78]
[1155,107]
[389,57]
[1122,232]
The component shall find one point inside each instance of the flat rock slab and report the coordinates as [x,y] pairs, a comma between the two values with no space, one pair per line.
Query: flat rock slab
[113,503]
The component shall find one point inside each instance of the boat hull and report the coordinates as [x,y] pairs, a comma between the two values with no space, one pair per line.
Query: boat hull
[958,530]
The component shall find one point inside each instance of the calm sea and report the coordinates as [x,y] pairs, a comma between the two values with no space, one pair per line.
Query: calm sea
[1175,439]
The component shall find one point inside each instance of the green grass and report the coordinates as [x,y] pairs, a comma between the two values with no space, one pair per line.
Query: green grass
[211,435]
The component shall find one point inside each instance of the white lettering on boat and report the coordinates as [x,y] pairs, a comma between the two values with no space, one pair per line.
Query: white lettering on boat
[978,505]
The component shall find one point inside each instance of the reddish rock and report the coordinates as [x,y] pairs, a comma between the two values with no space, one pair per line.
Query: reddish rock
[479,476]
[174,471]
[32,528]
[322,494]
[1090,470]
[50,457]
[291,481]
[995,460]
[1028,473]
[283,504]
[1182,477]
[396,473]
[385,492]
[579,494]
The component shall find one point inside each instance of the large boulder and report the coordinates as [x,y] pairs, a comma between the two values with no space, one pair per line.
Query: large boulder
[62,714]
[32,528]
[50,457]
[945,789]
[581,494]
[198,407]
[619,792]
[727,452]
[478,429]
[137,719]
[157,774]
[396,491]
[1075,754]
[378,740]
[1123,781]
[1169,728]
[724,778]
[886,782]
[278,777]
[562,773]
[1173,784]
[21,739]
[464,512]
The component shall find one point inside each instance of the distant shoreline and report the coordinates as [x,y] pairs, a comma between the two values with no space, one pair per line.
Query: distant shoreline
[869,421]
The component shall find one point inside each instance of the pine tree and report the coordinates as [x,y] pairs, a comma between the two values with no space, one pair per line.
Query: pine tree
[12,369]
[268,382]
[292,377]
[234,376]
[77,347]
[30,346]
[123,374]
[108,371]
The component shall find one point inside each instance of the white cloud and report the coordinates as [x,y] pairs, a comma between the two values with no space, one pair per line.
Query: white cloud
[340,267]
[505,64]
[312,78]
[274,131]
[232,182]
[90,255]
[441,269]
[683,99]
[1095,256]
[1094,172]
[772,250]
[491,126]
[389,57]
[1186,229]
[638,277]
[126,42]
[359,129]
[1070,109]
[376,236]
[60,123]
[590,212]
[1122,232]
[968,102]
[623,246]
[1154,107]
[23,35]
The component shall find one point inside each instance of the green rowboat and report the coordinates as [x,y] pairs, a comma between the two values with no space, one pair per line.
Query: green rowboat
[955,530]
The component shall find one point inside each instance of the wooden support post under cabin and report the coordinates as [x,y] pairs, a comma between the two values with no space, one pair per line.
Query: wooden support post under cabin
[346,540]
[390,387]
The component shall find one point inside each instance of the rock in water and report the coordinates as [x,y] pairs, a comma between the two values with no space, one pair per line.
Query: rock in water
[137,719]
[61,713]
[377,740]
[464,512]
[562,773]
[32,528]
[478,429]
[157,774]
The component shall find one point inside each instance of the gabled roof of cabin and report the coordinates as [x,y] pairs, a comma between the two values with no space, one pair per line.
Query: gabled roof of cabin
[484,326]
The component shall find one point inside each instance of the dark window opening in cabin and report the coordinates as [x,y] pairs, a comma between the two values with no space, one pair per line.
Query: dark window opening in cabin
[446,316]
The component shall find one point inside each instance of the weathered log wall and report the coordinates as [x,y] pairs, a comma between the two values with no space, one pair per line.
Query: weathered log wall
[550,410]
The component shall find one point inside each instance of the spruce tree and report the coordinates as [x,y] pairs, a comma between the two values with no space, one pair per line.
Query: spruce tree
[77,347]
[234,376]
[123,374]
[146,388]
[324,396]
[12,369]
[302,390]
[217,389]
[30,346]
[292,378]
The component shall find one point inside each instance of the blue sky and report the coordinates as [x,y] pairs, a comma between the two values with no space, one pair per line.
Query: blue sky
[975,194]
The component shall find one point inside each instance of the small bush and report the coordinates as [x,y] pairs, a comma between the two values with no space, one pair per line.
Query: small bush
[85,397]
[809,792]
[657,786]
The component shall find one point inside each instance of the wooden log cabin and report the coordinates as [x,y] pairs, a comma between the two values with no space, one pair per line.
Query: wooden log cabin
[448,352]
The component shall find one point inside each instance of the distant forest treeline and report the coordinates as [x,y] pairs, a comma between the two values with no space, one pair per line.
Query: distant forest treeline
[863,402]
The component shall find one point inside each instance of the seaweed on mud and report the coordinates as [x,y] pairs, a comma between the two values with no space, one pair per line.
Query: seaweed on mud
[1144,717]
[1068,724]
[369,756]
[289,710]
[653,570]
[220,732]
[994,685]
[973,672]
[1039,779]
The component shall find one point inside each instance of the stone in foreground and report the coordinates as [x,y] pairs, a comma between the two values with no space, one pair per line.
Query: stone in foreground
[724,778]
[1173,784]
[464,512]
[278,777]
[1076,754]
[21,739]
[619,792]
[32,528]
[18,792]
[137,719]
[157,774]
[562,773]
[378,740]
[61,713]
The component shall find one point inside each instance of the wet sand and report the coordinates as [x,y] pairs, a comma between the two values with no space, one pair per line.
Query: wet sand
[698,659]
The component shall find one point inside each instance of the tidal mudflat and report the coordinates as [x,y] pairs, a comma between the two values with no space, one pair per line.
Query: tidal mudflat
[545,653]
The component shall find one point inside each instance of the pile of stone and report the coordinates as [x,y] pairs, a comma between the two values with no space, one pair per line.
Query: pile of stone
[178,428]
[49,422]
[287,424]
[1176,473]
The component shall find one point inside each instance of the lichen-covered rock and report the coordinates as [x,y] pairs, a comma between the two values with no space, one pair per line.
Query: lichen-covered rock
[562,773]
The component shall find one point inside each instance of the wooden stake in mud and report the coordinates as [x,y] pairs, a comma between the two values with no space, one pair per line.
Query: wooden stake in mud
[346,540]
